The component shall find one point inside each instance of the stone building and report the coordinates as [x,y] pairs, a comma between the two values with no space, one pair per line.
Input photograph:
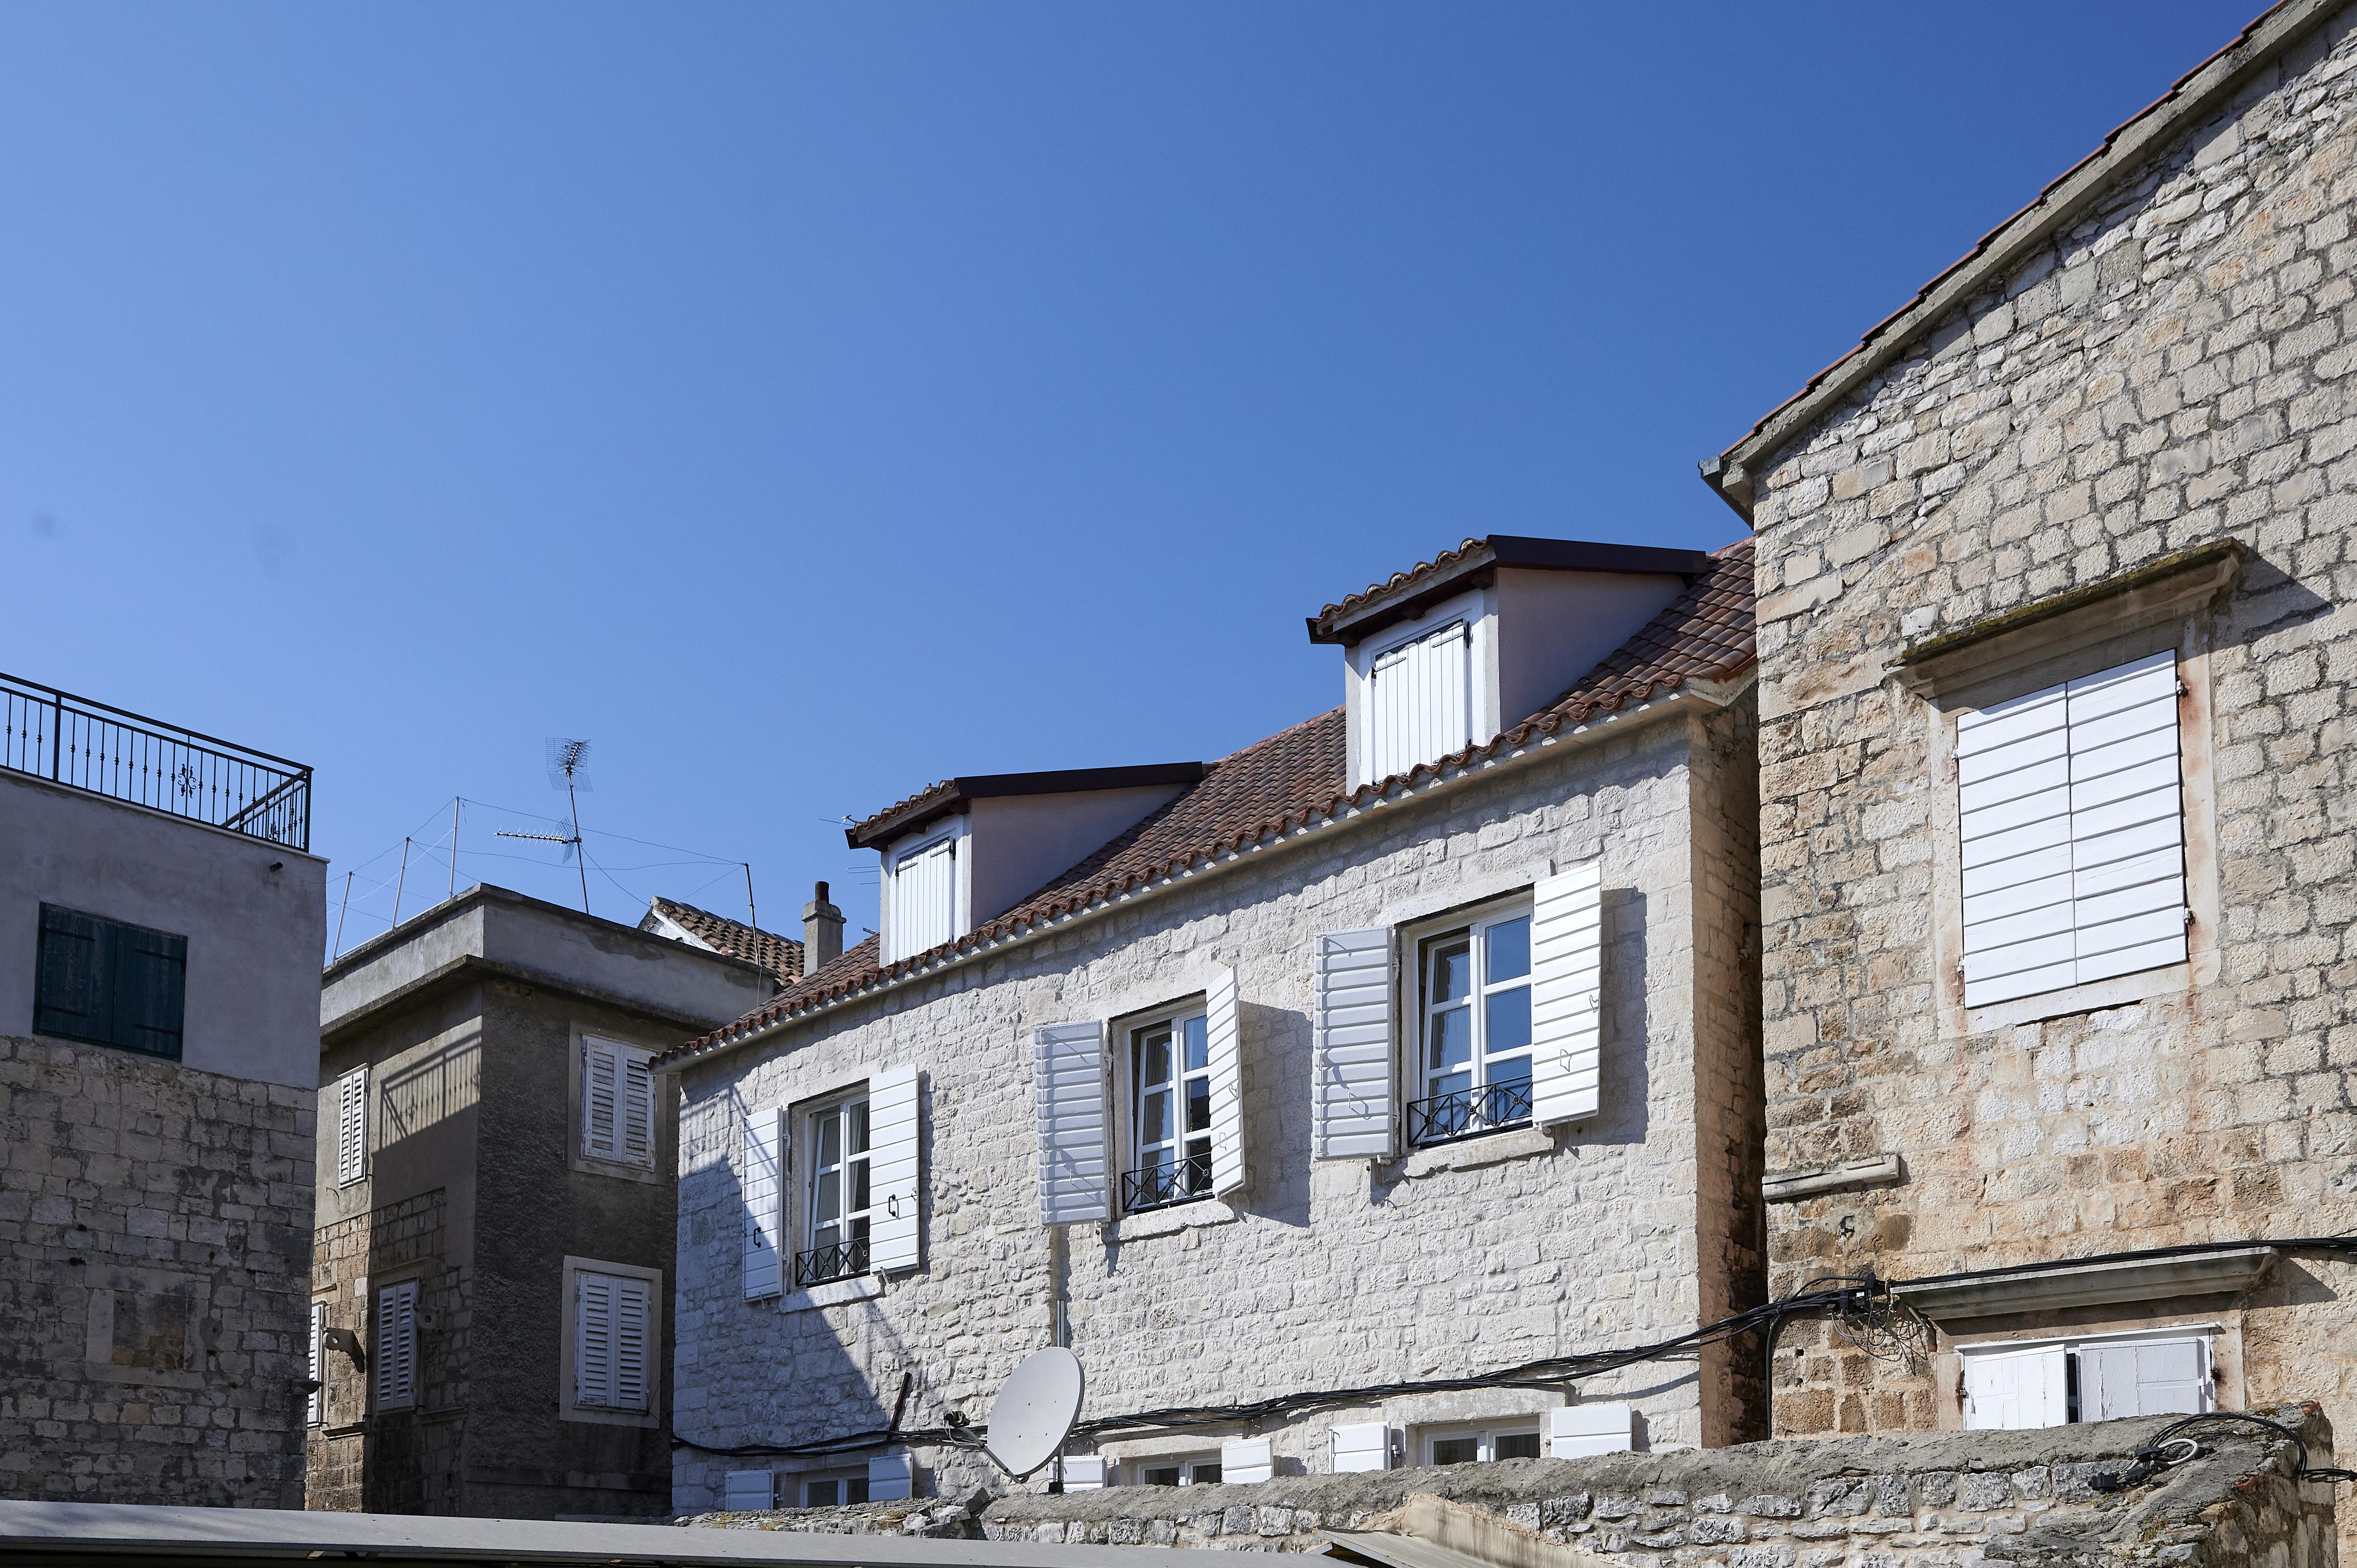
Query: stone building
[160,927]
[1415,1042]
[490,1298]
[2056,655]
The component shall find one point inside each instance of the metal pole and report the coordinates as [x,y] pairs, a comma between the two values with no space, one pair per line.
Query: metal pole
[752,915]
[340,916]
[580,855]
[454,847]
[398,881]
[56,732]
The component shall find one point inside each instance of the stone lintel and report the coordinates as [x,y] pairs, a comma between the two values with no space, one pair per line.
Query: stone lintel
[1956,1298]
[1874,1170]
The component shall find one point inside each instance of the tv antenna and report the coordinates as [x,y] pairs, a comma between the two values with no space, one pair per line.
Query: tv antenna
[1034,1412]
[567,772]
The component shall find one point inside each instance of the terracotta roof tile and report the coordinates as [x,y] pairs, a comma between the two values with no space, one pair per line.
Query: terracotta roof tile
[781,956]
[1300,776]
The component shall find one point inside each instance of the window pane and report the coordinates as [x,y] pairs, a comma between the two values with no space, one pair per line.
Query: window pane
[1199,1165]
[826,1200]
[859,1231]
[1205,1472]
[859,1185]
[855,1117]
[1452,1040]
[1456,1450]
[1513,1069]
[1165,1477]
[1452,972]
[1518,1446]
[1153,1118]
[855,1490]
[830,1139]
[1510,1020]
[1509,944]
[1154,1057]
[819,1494]
[1198,1049]
[1199,1104]
[825,1235]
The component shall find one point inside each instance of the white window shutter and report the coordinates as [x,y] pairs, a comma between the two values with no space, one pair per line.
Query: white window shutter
[1246,1461]
[889,1476]
[923,912]
[2015,1389]
[395,1355]
[1084,1473]
[1362,1445]
[1223,1038]
[319,1364]
[2013,814]
[600,1097]
[1576,1431]
[351,1125]
[1067,1078]
[748,1491]
[762,1186]
[638,1108]
[1419,702]
[1568,995]
[1352,1043]
[892,1137]
[2127,821]
[2155,1376]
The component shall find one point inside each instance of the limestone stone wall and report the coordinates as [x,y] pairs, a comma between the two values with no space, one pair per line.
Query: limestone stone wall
[1320,1274]
[156,1224]
[2171,371]
[1936,1501]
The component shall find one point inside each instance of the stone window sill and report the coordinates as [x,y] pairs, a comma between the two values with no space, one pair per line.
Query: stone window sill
[1170,1221]
[1843,1175]
[1472,1154]
[834,1292]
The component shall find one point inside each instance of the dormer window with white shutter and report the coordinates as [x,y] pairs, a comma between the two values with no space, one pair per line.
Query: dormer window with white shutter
[1419,698]
[923,908]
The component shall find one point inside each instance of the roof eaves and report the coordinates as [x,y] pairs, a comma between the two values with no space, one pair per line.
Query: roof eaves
[1734,474]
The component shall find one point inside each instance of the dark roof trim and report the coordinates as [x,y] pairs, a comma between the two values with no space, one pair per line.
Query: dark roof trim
[952,794]
[1733,475]
[1473,564]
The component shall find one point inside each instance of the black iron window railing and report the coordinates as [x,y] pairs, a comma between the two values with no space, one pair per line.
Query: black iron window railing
[1468,1113]
[106,751]
[838,1261]
[1158,1187]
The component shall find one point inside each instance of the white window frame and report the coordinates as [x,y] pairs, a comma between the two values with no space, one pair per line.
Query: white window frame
[856,1224]
[1190,1467]
[1187,1028]
[1484,1434]
[623,1162]
[2067,1399]
[351,1140]
[1429,943]
[568,1403]
[843,1481]
[897,940]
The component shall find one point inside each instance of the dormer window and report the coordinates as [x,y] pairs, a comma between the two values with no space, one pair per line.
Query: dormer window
[1420,699]
[920,907]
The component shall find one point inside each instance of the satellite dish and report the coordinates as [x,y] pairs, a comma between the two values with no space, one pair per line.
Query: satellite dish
[1035,1410]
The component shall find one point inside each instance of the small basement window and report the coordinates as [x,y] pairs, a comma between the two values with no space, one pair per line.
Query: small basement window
[834,1491]
[1479,1445]
[1203,1472]
[1474,1055]
[107,984]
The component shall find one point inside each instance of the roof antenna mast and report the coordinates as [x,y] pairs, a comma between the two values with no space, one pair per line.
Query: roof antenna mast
[567,772]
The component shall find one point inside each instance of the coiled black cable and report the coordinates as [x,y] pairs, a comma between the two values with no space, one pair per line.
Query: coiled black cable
[2151,1457]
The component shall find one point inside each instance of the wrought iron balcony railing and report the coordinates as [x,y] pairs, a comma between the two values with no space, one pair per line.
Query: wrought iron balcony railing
[1468,1113]
[838,1261]
[106,751]
[1158,1187]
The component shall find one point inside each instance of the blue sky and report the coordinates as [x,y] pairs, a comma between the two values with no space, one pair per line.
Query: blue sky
[806,401]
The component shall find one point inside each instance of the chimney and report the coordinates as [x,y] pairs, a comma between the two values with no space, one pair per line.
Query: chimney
[822,933]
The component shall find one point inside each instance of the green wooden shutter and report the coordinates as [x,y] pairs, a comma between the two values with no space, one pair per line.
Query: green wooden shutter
[71,995]
[151,975]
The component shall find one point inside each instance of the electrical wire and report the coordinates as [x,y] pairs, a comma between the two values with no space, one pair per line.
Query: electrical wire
[2153,1455]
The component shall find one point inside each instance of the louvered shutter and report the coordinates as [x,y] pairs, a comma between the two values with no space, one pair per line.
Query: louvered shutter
[1068,1078]
[1084,1473]
[638,1108]
[1352,1039]
[924,899]
[600,1097]
[1575,1430]
[1246,1461]
[1419,701]
[1362,1445]
[761,1184]
[593,1338]
[633,1321]
[319,1364]
[892,1111]
[889,1476]
[748,1491]
[2155,1376]
[351,1126]
[394,1358]
[2015,1389]
[72,995]
[150,982]
[1568,995]
[2071,830]
[1224,1036]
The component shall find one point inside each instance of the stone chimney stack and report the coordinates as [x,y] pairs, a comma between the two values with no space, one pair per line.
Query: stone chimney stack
[822,933]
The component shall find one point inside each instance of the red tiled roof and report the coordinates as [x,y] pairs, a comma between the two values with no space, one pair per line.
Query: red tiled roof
[1398,580]
[1301,776]
[781,956]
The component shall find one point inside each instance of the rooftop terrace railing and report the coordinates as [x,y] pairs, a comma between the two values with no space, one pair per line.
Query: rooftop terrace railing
[106,751]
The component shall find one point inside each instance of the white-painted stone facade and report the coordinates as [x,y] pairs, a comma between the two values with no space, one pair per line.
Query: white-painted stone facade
[1318,1274]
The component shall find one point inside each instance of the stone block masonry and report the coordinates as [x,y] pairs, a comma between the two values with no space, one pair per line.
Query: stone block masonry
[1937,1501]
[156,1224]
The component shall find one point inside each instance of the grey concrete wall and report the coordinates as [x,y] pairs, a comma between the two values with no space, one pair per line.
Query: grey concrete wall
[1317,1275]
[254,934]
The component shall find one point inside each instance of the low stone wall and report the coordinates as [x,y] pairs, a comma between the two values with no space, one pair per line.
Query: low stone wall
[1939,1501]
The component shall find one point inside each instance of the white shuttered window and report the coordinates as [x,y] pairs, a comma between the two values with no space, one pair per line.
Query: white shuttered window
[892,1113]
[351,1126]
[1068,1089]
[1568,995]
[612,1327]
[2153,1376]
[1226,1041]
[1419,701]
[393,1358]
[924,899]
[2073,830]
[1246,1461]
[618,1102]
[311,1408]
[761,1186]
[1362,1445]
[1352,1037]
[1574,1432]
